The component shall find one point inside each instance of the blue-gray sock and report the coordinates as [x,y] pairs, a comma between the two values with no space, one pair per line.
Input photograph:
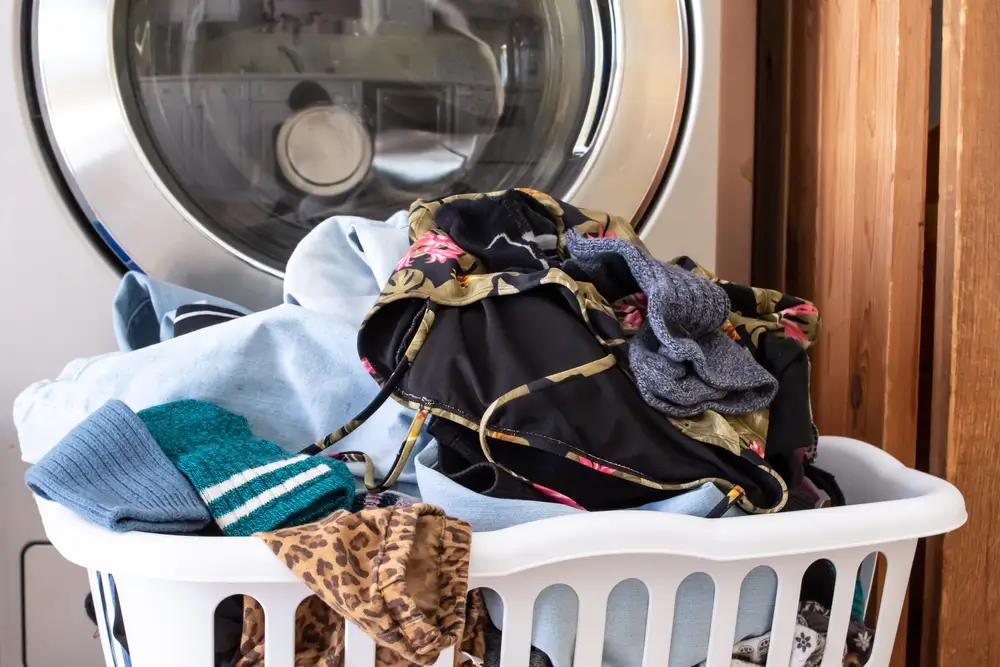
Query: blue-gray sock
[110,470]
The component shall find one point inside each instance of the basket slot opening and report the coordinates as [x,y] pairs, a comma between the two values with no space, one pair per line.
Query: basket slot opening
[694,606]
[229,626]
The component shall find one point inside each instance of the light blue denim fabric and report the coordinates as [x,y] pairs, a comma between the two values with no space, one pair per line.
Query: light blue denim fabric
[342,265]
[293,373]
[143,310]
[554,624]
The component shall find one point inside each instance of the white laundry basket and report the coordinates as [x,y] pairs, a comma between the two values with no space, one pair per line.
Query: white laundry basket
[170,586]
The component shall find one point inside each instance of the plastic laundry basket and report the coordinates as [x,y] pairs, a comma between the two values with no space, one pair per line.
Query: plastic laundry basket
[170,586]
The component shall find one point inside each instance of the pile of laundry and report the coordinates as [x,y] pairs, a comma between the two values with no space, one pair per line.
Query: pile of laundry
[475,363]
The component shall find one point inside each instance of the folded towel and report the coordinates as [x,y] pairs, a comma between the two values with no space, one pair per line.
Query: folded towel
[110,470]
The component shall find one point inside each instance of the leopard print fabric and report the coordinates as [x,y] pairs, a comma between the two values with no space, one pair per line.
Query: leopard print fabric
[399,573]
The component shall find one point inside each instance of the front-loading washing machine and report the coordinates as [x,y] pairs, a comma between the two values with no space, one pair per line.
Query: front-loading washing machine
[200,140]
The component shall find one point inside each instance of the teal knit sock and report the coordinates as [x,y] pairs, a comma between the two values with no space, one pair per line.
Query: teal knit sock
[250,485]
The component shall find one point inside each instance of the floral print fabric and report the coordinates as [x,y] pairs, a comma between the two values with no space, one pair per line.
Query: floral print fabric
[808,642]
[487,324]
[432,247]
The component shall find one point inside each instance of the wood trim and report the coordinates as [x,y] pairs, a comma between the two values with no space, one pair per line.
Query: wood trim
[771,144]
[859,89]
[962,567]
[925,582]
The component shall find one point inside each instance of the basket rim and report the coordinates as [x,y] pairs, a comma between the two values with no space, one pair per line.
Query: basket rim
[902,504]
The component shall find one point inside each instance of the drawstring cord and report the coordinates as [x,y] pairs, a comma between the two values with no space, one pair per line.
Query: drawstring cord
[723,505]
[383,395]
[585,370]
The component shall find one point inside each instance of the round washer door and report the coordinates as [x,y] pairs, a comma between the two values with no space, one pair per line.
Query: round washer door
[205,138]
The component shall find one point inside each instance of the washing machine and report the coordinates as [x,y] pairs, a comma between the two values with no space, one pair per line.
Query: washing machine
[199,140]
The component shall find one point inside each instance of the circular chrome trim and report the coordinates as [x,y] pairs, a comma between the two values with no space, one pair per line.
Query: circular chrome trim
[107,164]
[645,105]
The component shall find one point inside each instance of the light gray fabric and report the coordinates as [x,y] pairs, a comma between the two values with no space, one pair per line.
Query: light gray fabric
[682,361]
[340,267]
[144,309]
[292,371]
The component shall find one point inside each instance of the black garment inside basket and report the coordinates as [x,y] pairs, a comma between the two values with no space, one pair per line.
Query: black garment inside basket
[483,350]
[533,361]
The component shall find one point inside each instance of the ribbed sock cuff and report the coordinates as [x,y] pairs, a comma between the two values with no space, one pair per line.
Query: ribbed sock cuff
[110,470]
[304,490]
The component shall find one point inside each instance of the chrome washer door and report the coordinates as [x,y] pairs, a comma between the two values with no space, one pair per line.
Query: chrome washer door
[207,137]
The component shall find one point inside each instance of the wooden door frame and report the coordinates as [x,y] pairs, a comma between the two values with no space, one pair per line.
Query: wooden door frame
[961,600]
[840,203]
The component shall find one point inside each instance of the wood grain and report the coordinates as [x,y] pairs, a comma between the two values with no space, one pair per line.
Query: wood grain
[858,137]
[965,409]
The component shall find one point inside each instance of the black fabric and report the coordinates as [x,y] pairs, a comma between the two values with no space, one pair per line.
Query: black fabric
[461,459]
[508,232]
[117,624]
[790,425]
[513,231]
[799,500]
[501,338]
[826,482]
[818,582]
[481,351]
[194,317]
[804,497]
[228,630]
[88,608]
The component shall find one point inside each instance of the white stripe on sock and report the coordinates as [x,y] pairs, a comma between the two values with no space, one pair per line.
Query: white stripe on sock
[213,493]
[201,313]
[273,493]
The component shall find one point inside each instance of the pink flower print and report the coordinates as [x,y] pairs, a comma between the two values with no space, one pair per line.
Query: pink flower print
[802,309]
[438,247]
[558,497]
[793,330]
[407,260]
[635,319]
[368,366]
[434,246]
[757,449]
[633,308]
[596,466]
[603,233]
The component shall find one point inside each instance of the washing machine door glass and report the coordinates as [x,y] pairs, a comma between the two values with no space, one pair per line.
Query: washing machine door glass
[205,138]
[269,117]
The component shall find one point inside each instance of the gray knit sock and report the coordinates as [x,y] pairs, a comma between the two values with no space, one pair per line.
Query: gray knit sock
[682,361]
